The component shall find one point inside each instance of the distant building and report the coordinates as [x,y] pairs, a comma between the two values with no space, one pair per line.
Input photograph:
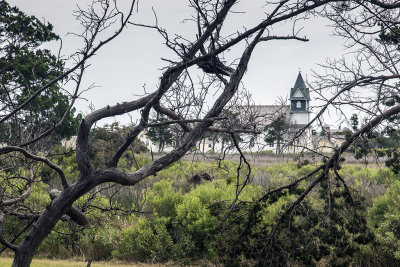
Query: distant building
[264,116]
[297,115]
[328,139]
[69,142]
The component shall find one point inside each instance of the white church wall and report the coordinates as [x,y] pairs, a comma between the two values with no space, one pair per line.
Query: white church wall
[300,118]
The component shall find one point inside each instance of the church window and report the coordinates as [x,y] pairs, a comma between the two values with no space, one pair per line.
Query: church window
[298,104]
[271,144]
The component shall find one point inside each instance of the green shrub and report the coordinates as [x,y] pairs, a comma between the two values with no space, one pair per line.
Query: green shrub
[384,218]
[99,243]
[145,240]
[185,222]
[162,199]
[195,222]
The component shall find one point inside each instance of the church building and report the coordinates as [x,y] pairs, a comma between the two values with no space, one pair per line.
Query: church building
[296,114]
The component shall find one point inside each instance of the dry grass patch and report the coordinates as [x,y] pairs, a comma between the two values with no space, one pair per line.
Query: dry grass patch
[6,262]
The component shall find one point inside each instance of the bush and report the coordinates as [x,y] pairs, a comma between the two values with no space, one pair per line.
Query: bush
[162,199]
[384,218]
[145,240]
[99,243]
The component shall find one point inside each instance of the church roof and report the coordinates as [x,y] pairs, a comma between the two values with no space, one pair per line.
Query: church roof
[303,89]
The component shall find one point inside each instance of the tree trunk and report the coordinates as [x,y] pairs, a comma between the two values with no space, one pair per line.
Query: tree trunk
[134,158]
[159,146]
[47,221]
[278,147]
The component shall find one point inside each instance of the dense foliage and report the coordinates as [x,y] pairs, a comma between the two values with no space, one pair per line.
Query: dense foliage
[25,67]
[108,138]
[176,217]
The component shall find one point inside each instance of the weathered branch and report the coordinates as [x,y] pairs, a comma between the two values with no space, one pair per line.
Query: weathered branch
[82,143]
[167,79]
[385,5]
[12,201]
[76,215]
[119,176]
[239,187]
[172,115]
[60,122]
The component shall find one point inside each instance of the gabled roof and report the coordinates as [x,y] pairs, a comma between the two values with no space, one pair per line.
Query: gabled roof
[302,87]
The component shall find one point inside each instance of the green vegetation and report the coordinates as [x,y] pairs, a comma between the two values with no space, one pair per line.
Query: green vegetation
[174,217]
[191,212]
[163,135]
[276,132]
[25,67]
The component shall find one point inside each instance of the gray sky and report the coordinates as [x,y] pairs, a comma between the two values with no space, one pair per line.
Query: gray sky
[134,59]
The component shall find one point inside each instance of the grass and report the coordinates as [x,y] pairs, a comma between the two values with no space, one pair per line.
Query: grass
[6,262]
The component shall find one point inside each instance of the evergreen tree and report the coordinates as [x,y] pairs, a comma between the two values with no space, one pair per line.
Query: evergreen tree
[276,131]
[25,67]
[160,134]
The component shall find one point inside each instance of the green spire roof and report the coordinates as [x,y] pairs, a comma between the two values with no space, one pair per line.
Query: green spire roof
[302,86]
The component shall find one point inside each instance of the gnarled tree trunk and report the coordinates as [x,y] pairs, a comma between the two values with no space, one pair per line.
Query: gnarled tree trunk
[47,221]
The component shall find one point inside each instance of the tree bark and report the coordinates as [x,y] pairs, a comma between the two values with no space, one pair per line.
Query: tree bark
[40,229]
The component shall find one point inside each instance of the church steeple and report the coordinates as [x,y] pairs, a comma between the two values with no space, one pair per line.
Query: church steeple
[300,90]
[299,81]
[299,101]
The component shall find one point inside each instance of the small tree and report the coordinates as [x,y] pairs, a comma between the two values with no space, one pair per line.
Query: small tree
[108,138]
[354,122]
[161,135]
[277,131]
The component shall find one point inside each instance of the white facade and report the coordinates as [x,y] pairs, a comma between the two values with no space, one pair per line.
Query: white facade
[153,146]
[300,118]
[256,118]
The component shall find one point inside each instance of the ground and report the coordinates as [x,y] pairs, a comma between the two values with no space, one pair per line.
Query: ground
[6,262]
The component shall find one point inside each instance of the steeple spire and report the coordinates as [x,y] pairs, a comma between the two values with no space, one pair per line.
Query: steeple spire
[301,86]
[299,82]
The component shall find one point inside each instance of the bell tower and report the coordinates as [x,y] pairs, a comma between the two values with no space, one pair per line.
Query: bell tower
[299,103]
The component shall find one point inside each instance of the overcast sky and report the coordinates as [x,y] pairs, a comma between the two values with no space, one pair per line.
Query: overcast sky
[134,59]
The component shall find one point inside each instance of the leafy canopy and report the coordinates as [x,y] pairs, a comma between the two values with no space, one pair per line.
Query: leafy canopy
[24,69]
